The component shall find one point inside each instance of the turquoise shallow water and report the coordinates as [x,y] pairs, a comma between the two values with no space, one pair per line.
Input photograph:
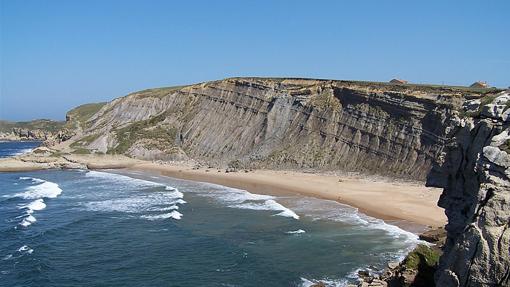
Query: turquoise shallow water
[90,228]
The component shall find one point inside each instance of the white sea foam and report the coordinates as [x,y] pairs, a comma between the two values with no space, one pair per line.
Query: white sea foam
[138,202]
[177,193]
[25,249]
[23,151]
[33,179]
[122,179]
[171,207]
[134,204]
[327,282]
[242,199]
[28,218]
[269,204]
[170,188]
[393,230]
[179,201]
[174,214]
[40,190]
[27,221]
[43,189]
[319,209]
[37,204]
[299,231]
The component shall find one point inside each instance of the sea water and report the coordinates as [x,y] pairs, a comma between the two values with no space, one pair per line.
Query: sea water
[97,228]
[13,148]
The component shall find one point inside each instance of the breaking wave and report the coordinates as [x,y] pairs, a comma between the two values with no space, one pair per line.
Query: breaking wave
[242,199]
[41,190]
[174,214]
[149,204]
[299,231]
[320,209]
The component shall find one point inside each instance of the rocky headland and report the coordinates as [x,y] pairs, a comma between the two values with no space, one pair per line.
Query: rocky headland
[475,174]
[36,130]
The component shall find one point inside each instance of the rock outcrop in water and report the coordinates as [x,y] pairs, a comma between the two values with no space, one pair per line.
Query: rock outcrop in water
[476,196]
[395,130]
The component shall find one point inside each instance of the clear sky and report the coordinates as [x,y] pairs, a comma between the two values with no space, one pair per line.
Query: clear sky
[58,54]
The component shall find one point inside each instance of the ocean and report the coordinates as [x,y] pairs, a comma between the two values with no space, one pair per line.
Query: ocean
[120,228]
[13,148]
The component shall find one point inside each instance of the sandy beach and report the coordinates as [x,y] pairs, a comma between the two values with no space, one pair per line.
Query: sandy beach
[378,197]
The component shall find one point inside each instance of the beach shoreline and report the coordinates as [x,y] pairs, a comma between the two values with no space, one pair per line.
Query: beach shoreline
[386,199]
[389,201]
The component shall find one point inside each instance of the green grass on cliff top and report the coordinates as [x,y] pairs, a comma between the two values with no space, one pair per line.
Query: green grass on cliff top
[156,92]
[42,124]
[382,85]
[426,88]
[84,112]
[81,114]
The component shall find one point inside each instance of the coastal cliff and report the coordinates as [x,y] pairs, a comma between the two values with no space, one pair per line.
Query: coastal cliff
[384,129]
[39,130]
[475,174]
[455,138]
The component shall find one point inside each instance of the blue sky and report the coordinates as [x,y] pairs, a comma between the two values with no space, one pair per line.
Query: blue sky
[58,54]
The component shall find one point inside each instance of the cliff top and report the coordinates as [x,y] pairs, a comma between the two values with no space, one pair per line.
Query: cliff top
[40,124]
[382,86]
[429,91]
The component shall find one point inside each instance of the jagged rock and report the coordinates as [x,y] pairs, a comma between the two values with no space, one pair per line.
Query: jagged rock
[471,106]
[393,265]
[498,108]
[381,284]
[497,156]
[363,274]
[476,199]
[435,236]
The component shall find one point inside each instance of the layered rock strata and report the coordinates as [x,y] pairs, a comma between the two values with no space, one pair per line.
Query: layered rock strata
[384,129]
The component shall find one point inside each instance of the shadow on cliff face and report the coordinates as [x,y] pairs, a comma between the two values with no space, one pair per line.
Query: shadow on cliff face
[425,275]
[474,174]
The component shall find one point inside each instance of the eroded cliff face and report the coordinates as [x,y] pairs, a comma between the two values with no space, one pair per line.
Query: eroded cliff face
[385,129]
[476,196]
[39,130]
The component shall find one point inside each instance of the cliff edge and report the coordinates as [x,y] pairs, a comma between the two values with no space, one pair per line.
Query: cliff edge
[475,174]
